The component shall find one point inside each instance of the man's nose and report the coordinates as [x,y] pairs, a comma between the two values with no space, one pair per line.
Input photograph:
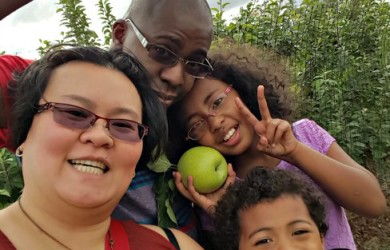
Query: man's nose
[175,75]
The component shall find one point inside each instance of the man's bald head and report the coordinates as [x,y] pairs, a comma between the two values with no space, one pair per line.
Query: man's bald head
[140,9]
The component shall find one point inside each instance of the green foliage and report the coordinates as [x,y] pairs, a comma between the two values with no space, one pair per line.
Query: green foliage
[340,62]
[218,21]
[11,180]
[77,25]
[165,191]
[105,14]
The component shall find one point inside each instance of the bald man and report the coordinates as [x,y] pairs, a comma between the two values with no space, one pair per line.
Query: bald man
[171,38]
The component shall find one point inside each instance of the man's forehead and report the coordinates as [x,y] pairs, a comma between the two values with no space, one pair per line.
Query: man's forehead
[151,8]
[177,27]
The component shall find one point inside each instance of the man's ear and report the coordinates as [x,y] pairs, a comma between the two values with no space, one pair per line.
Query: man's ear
[119,29]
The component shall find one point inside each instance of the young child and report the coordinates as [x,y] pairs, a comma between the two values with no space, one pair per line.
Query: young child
[270,209]
[223,112]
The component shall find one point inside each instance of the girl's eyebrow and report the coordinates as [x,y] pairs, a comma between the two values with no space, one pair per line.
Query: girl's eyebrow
[207,98]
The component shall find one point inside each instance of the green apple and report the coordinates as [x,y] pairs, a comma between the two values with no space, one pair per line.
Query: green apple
[207,167]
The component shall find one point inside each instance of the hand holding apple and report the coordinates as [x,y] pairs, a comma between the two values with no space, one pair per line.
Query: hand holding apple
[207,167]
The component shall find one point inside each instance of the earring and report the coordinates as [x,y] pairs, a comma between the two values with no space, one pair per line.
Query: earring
[19,156]
[19,152]
[134,174]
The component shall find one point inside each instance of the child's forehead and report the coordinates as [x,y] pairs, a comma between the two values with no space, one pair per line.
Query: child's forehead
[270,202]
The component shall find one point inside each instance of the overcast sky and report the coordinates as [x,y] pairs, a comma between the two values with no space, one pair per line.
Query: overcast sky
[20,32]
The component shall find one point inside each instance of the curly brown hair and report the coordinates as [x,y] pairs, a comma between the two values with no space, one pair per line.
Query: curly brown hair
[259,186]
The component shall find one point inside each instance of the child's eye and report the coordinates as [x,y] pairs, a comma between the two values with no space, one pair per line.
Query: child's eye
[263,241]
[300,232]
[218,102]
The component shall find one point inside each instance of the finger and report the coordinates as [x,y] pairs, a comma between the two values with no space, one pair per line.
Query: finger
[282,128]
[271,130]
[231,178]
[246,112]
[263,141]
[263,106]
[191,188]
[180,186]
[198,198]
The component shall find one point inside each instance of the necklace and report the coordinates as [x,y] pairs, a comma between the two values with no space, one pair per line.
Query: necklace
[110,241]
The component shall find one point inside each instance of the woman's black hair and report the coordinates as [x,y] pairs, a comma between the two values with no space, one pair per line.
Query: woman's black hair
[262,185]
[28,88]
[245,69]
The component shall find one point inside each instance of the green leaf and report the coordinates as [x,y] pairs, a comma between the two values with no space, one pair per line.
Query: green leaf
[170,212]
[11,179]
[161,165]
[164,196]
[4,192]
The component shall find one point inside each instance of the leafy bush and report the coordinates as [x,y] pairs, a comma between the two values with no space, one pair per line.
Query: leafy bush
[11,180]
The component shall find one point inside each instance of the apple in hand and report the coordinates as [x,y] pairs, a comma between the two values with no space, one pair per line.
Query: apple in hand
[207,167]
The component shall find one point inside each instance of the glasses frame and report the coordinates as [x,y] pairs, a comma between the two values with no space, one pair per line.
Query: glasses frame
[205,120]
[143,130]
[146,44]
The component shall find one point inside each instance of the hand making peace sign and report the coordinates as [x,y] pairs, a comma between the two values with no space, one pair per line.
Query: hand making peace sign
[275,135]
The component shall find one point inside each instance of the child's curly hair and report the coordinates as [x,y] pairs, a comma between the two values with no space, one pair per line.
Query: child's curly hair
[262,185]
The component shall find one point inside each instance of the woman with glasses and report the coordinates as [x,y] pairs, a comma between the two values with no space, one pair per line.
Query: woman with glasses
[83,119]
[237,110]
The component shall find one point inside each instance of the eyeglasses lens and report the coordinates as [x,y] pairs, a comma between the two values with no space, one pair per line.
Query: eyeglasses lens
[74,117]
[167,57]
[162,55]
[197,130]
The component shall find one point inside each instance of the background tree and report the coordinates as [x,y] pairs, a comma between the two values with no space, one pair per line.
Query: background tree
[77,25]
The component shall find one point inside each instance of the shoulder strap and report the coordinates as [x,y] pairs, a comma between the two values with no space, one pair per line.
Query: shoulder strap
[171,238]
[119,236]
